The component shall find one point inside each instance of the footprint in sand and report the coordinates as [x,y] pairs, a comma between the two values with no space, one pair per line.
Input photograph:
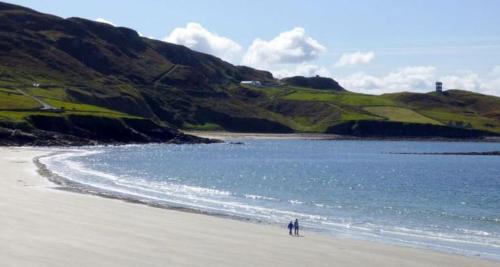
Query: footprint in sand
[22,182]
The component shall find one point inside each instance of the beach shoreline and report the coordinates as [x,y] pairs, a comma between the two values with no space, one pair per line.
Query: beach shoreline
[65,184]
[50,229]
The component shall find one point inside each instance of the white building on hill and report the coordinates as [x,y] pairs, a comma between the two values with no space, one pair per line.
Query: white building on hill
[252,83]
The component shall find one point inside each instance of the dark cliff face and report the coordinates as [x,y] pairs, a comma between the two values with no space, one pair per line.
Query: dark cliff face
[77,130]
[400,129]
[316,82]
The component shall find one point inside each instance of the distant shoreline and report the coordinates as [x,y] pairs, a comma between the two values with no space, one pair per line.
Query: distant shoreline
[487,153]
[228,136]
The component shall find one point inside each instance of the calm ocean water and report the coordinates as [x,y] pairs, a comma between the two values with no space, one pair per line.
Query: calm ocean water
[354,189]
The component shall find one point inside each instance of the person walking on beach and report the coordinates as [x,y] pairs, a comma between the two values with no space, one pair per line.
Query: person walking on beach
[290,227]
[296,227]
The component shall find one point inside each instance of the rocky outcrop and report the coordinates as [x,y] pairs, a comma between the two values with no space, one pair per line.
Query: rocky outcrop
[376,128]
[316,82]
[77,130]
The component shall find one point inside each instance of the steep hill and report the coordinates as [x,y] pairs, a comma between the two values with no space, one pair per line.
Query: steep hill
[66,76]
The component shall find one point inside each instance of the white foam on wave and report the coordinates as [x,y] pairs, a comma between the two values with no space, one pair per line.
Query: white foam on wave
[178,194]
[256,197]
[321,205]
[295,202]
[65,166]
[416,238]
[471,239]
[172,187]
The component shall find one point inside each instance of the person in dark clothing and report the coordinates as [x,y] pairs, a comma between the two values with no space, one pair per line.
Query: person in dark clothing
[290,227]
[296,227]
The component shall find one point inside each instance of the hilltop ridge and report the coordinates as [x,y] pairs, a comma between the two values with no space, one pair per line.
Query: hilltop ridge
[316,82]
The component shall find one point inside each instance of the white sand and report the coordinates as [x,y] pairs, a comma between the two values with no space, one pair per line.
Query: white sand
[41,226]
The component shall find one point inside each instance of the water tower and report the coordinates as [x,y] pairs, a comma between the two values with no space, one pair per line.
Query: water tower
[439,87]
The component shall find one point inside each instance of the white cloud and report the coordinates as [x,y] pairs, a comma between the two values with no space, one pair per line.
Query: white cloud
[290,47]
[417,78]
[491,87]
[101,20]
[421,79]
[200,39]
[488,83]
[470,81]
[303,69]
[495,70]
[355,58]
[285,55]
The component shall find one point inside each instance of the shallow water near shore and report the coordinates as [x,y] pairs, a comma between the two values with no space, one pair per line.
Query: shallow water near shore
[354,189]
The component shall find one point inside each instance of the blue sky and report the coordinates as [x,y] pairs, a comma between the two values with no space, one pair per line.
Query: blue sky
[369,46]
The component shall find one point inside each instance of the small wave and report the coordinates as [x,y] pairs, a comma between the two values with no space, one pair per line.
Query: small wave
[95,178]
[473,232]
[201,198]
[257,197]
[295,202]
[321,205]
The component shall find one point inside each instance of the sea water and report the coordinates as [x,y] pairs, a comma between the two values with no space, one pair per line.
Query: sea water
[352,189]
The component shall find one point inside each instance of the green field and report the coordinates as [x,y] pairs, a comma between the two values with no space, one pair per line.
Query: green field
[14,106]
[14,100]
[71,107]
[351,115]
[20,116]
[55,93]
[400,114]
[475,120]
[338,98]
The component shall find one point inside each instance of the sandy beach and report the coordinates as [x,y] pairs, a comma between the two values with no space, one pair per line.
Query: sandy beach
[228,136]
[42,226]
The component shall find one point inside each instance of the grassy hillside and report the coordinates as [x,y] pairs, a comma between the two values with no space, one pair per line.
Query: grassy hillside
[86,68]
[454,108]
[11,100]
[400,114]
